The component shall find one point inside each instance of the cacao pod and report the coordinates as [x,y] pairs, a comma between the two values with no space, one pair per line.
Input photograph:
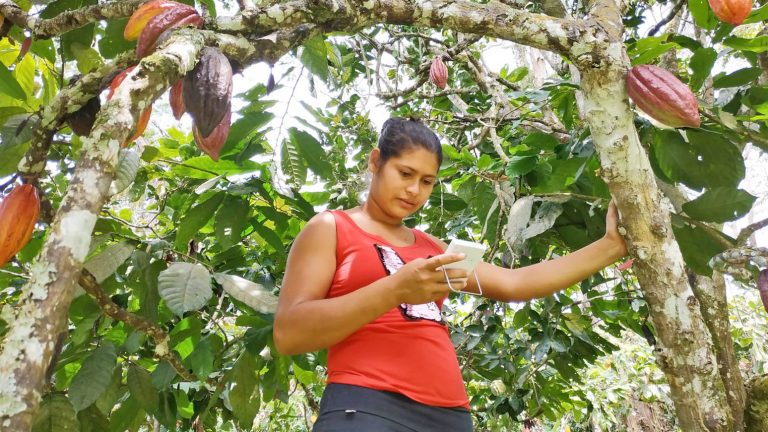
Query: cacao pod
[731,11]
[146,12]
[143,121]
[213,143]
[270,83]
[167,19]
[176,98]
[762,287]
[24,48]
[207,90]
[81,121]
[127,167]
[663,97]
[18,214]
[438,73]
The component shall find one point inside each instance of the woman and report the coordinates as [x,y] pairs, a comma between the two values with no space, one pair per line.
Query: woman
[369,289]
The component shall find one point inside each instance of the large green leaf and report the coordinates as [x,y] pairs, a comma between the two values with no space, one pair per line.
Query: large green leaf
[697,245]
[720,205]
[245,397]
[9,85]
[93,377]
[231,219]
[314,56]
[113,42]
[184,287]
[520,165]
[202,167]
[126,416]
[201,358]
[196,218]
[254,295]
[293,163]
[701,63]
[140,384]
[56,414]
[738,78]
[709,160]
[92,420]
[702,14]
[757,44]
[313,153]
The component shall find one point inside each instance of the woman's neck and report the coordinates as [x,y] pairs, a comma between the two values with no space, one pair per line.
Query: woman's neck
[374,212]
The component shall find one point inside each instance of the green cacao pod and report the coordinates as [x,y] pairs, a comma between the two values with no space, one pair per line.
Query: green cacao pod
[663,97]
[731,11]
[207,90]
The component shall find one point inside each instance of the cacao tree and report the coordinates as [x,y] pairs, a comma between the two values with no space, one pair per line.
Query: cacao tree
[144,298]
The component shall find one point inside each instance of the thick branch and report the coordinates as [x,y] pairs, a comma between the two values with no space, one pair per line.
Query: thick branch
[749,230]
[89,284]
[69,20]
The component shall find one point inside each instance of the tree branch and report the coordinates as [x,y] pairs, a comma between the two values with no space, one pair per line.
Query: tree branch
[749,230]
[137,322]
[672,13]
[69,20]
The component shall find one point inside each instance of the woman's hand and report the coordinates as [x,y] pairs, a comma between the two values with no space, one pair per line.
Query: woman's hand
[612,228]
[423,280]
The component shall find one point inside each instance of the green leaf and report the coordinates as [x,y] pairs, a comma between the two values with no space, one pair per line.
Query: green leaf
[293,163]
[140,385]
[92,420]
[44,48]
[87,58]
[9,85]
[269,236]
[517,74]
[126,415]
[184,287]
[94,377]
[720,205]
[697,245]
[202,167]
[652,53]
[244,130]
[314,56]
[702,14]
[196,218]
[709,160]
[520,165]
[201,359]
[701,63]
[564,173]
[231,220]
[757,44]
[113,42]
[737,78]
[56,414]
[245,397]
[540,141]
[757,15]
[313,153]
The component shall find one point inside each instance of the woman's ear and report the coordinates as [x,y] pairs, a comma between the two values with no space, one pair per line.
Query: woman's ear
[373,160]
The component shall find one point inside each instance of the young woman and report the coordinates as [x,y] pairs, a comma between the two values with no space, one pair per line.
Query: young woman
[369,289]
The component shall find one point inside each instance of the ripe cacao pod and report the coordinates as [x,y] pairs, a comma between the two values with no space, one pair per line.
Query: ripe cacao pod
[143,121]
[662,96]
[207,90]
[213,143]
[438,73]
[146,12]
[24,48]
[762,287]
[81,121]
[176,98]
[731,11]
[18,214]
[167,19]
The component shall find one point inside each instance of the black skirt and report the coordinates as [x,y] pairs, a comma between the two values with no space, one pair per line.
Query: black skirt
[350,408]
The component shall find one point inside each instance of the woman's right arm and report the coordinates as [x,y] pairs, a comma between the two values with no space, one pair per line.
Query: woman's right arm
[307,321]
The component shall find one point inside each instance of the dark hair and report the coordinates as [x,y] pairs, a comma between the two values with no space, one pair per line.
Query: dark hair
[399,134]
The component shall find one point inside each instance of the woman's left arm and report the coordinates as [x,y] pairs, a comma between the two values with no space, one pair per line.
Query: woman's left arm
[547,277]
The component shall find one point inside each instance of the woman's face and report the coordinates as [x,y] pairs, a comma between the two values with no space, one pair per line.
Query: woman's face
[403,183]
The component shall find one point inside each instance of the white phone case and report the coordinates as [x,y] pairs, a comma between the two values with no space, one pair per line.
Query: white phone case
[472,251]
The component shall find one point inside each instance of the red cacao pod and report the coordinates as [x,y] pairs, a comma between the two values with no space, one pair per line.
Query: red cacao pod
[18,214]
[167,19]
[731,11]
[146,12]
[438,73]
[213,143]
[176,97]
[762,287]
[662,96]
[143,121]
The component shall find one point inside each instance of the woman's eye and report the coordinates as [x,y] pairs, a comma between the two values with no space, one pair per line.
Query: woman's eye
[428,182]
[405,174]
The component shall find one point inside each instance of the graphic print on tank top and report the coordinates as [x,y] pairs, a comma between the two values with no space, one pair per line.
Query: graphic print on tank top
[392,263]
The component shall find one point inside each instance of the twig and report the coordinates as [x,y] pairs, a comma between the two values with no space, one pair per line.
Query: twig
[749,230]
[163,351]
[675,10]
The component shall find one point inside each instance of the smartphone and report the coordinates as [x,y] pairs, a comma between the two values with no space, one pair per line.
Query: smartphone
[473,254]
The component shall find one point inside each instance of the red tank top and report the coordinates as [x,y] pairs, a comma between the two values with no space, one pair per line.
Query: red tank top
[406,350]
